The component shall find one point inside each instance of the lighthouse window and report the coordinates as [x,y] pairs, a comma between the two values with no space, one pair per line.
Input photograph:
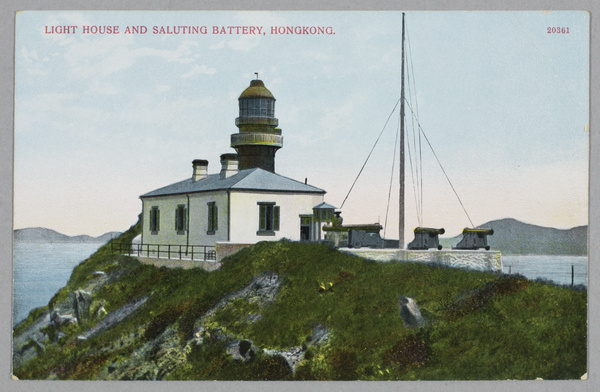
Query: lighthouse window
[268,218]
[154,220]
[257,107]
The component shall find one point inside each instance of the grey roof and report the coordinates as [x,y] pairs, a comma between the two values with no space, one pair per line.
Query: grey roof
[323,206]
[245,180]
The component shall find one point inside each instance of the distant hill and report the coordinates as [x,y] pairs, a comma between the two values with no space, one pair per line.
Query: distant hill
[515,237]
[40,234]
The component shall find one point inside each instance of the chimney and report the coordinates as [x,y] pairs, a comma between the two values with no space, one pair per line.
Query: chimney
[229,165]
[200,169]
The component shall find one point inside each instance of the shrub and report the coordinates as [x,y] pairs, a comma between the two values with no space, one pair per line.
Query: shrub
[411,351]
[271,367]
[343,365]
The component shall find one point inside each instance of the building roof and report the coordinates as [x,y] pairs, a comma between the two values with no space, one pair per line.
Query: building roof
[255,179]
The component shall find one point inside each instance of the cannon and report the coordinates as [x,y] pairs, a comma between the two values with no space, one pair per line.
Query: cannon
[474,239]
[360,238]
[361,235]
[426,238]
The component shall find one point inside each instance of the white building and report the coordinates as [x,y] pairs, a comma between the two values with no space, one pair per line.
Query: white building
[245,202]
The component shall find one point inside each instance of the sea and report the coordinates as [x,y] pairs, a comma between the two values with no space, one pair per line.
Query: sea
[41,269]
[559,269]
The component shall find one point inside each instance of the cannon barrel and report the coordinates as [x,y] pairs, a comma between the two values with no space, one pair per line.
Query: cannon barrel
[370,228]
[429,230]
[478,231]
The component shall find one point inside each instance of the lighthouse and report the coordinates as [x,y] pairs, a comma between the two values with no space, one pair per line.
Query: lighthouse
[258,138]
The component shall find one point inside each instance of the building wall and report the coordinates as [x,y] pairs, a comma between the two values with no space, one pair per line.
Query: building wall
[166,233]
[241,227]
[245,215]
[197,219]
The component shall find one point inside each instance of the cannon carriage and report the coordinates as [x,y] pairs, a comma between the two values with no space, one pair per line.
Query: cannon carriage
[474,239]
[426,238]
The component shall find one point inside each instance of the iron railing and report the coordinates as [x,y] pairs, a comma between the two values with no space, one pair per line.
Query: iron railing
[171,252]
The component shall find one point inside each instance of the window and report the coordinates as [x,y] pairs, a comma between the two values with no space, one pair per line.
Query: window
[268,218]
[323,214]
[180,221]
[213,218]
[154,220]
[257,107]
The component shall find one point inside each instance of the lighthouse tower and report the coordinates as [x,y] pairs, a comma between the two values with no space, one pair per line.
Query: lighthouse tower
[258,138]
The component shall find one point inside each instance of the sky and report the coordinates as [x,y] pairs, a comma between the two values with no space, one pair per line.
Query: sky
[103,118]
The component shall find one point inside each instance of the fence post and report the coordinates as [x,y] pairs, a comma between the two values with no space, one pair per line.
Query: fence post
[572,274]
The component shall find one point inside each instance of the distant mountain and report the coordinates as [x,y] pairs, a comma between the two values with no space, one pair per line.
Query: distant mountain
[515,237]
[40,234]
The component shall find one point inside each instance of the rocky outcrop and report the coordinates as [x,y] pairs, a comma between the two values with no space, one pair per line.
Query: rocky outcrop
[113,317]
[75,309]
[261,290]
[159,356]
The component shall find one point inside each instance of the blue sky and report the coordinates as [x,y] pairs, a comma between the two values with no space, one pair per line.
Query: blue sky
[102,119]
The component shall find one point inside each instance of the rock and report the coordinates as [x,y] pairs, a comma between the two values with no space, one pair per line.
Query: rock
[115,317]
[38,345]
[410,313]
[74,309]
[293,356]
[320,335]
[262,289]
[58,319]
[81,303]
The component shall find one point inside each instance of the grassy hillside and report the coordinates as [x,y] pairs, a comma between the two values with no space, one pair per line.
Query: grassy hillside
[314,313]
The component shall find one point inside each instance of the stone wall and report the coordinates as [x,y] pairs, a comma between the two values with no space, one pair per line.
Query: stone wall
[480,260]
[224,249]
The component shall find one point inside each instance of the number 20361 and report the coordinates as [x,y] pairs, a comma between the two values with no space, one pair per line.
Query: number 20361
[558,30]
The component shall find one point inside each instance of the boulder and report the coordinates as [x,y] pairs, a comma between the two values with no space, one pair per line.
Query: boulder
[81,303]
[58,319]
[410,313]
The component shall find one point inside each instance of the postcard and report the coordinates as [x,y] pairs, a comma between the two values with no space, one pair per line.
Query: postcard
[301,196]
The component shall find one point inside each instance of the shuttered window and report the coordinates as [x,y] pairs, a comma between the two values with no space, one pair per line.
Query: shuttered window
[268,218]
[180,221]
[154,220]
[212,218]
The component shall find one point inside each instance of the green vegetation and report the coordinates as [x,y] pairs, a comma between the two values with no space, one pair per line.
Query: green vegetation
[479,325]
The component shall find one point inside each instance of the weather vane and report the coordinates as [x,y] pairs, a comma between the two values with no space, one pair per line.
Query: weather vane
[256,73]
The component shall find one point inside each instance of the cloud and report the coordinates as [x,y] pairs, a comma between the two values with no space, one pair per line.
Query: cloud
[163,88]
[199,70]
[29,56]
[183,54]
